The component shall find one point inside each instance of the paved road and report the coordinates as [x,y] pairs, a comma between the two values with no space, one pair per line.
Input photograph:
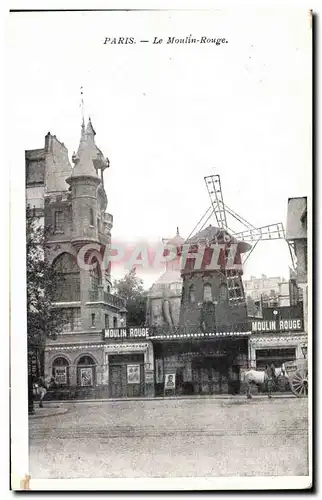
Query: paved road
[171,438]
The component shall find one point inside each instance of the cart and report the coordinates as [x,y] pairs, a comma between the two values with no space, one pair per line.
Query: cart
[297,372]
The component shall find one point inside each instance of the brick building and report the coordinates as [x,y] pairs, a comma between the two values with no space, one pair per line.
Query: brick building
[71,201]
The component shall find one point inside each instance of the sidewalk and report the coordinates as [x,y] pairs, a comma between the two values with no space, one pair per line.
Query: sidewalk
[226,397]
[48,411]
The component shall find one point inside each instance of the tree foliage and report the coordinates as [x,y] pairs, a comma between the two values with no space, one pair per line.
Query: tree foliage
[43,320]
[132,290]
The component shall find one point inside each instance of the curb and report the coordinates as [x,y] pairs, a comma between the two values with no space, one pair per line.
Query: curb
[177,398]
[48,412]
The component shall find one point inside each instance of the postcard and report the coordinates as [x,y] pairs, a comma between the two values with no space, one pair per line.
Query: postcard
[161,274]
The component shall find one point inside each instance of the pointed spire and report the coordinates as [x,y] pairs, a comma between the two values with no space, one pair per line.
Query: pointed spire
[89,129]
[84,165]
[177,230]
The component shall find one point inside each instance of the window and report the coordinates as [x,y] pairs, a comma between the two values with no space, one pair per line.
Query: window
[192,294]
[59,221]
[115,322]
[207,293]
[95,276]
[106,321]
[86,371]
[98,224]
[91,217]
[93,320]
[67,279]
[223,293]
[60,371]
[71,319]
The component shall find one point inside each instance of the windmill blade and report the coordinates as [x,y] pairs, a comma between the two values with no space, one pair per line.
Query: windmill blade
[270,232]
[217,202]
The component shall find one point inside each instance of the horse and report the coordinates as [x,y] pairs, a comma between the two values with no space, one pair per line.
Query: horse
[261,377]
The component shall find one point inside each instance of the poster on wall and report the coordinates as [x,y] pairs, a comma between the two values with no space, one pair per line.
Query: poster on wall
[170,381]
[86,376]
[159,371]
[133,374]
[60,375]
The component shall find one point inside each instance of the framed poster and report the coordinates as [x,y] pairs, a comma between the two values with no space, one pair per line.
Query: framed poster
[133,374]
[159,371]
[86,377]
[60,374]
[170,381]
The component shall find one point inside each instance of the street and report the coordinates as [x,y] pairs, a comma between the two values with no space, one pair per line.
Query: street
[172,438]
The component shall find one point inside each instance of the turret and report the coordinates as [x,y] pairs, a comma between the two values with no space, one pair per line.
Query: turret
[84,181]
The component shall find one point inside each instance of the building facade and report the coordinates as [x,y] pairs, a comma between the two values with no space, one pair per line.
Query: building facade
[207,346]
[282,332]
[71,201]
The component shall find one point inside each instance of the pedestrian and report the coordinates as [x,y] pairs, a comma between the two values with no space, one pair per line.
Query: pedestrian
[42,388]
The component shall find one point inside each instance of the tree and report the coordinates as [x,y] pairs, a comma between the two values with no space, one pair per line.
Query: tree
[43,320]
[132,290]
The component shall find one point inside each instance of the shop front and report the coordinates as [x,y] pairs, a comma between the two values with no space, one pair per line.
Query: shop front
[128,363]
[201,365]
[276,341]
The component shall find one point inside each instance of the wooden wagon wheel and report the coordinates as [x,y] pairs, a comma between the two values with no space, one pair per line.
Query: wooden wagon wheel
[299,384]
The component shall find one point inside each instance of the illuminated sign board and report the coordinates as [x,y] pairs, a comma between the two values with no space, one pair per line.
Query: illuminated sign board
[125,333]
[282,325]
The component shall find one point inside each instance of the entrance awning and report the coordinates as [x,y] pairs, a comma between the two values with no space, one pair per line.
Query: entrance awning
[198,335]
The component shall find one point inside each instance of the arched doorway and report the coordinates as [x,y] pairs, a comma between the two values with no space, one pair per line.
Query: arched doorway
[86,371]
[60,371]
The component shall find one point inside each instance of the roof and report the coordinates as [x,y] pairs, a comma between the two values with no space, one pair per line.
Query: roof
[209,233]
[296,218]
[176,240]
[169,277]
[87,141]
[87,155]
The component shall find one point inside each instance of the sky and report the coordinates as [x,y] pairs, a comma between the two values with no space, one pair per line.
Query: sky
[167,115]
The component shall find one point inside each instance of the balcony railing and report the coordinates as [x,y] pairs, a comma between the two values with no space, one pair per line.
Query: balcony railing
[100,295]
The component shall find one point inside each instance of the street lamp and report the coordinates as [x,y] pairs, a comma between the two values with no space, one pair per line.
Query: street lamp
[304,350]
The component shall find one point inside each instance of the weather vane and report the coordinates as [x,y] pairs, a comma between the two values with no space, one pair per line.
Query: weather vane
[82,104]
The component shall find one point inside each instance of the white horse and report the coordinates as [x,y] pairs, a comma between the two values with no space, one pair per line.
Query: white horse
[260,377]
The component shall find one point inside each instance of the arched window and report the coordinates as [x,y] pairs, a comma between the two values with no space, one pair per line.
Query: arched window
[223,293]
[67,285]
[60,371]
[86,371]
[207,293]
[192,294]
